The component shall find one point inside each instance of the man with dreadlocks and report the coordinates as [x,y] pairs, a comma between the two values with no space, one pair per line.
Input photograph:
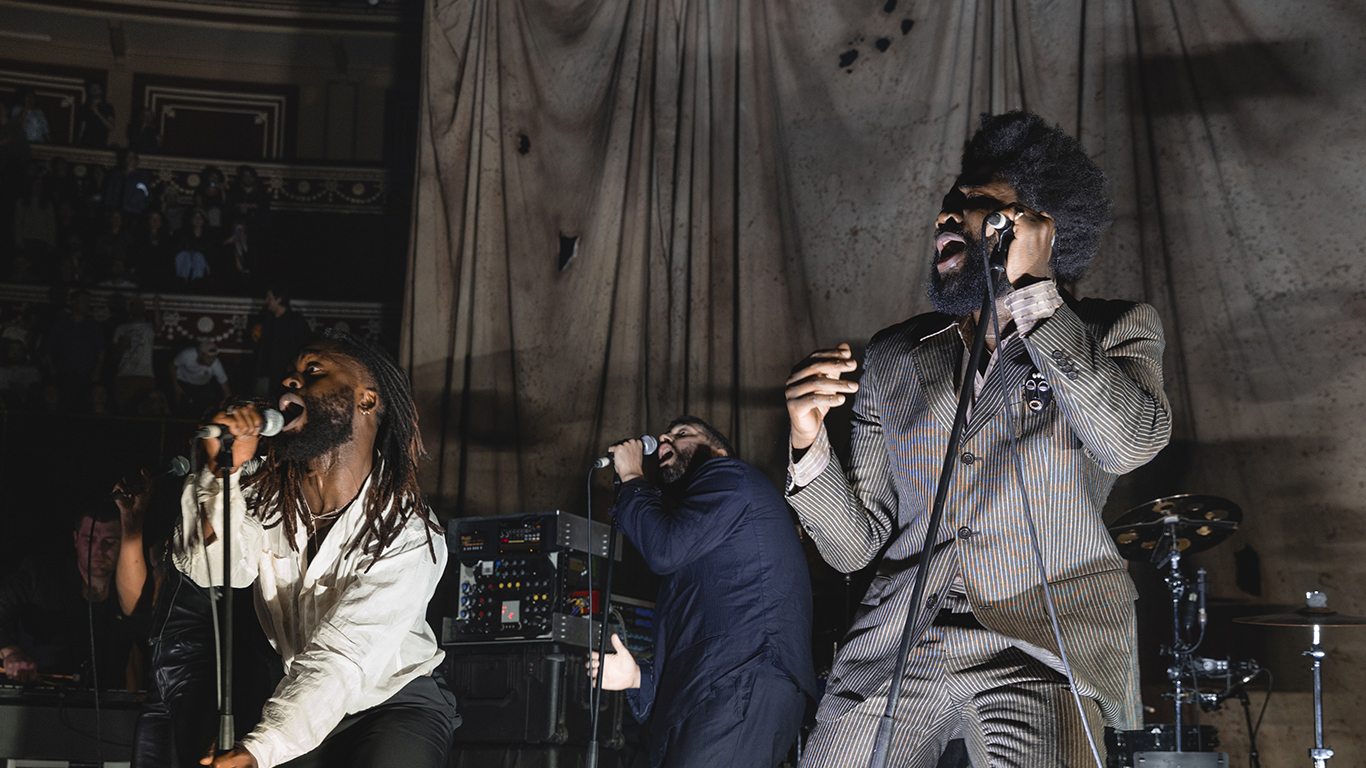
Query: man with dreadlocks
[1074,388]
[331,527]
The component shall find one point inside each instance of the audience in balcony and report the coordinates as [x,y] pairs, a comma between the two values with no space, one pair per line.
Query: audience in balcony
[143,134]
[133,339]
[75,351]
[211,198]
[35,224]
[96,119]
[129,188]
[31,117]
[198,379]
[191,263]
[249,199]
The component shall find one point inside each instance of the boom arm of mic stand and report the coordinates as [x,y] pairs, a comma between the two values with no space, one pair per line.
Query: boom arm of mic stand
[591,758]
[966,394]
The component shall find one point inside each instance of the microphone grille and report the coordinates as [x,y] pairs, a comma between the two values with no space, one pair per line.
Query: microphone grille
[651,444]
[998,221]
[180,466]
[275,421]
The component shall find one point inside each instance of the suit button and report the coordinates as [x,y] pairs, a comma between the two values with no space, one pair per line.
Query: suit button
[1072,375]
[1057,354]
[968,458]
[966,533]
[932,599]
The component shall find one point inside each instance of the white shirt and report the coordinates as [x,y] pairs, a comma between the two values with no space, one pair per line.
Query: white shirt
[351,628]
[137,359]
[189,370]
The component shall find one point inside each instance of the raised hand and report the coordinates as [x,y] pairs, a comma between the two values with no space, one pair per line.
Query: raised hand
[814,388]
[619,672]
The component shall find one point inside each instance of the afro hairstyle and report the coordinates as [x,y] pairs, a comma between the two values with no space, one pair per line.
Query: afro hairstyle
[1049,172]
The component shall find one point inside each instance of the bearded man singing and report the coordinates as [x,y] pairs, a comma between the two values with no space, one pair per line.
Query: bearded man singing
[331,528]
[731,674]
[1073,386]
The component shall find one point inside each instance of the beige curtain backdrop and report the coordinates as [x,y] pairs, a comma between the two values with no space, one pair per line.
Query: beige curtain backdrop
[631,209]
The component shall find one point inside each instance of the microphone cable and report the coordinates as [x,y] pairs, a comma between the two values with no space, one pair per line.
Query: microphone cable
[1013,441]
[90,623]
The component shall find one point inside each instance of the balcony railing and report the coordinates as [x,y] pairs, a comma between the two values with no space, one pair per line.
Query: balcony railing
[292,186]
[224,320]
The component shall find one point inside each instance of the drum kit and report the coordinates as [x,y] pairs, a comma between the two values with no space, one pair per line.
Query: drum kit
[1161,532]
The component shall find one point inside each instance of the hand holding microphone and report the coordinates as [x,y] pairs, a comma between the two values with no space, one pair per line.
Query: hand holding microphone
[244,424]
[1025,243]
[629,457]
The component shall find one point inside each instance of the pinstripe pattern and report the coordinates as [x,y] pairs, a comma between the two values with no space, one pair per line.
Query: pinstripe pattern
[1108,416]
[967,682]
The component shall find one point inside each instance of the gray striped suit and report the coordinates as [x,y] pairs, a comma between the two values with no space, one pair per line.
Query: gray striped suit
[1108,416]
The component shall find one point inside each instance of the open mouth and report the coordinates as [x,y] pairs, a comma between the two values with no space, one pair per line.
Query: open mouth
[951,248]
[292,408]
[665,453]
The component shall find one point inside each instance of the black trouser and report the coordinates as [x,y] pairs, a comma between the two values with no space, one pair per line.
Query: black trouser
[179,720]
[751,721]
[413,729]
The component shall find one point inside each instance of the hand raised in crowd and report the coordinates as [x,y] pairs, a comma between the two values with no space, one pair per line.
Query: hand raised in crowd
[244,423]
[131,496]
[620,671]
[19,667]
[1032,248]
[628,457]
[814,388]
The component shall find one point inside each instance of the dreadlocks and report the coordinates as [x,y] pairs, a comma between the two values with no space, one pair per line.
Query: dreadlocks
[394,495]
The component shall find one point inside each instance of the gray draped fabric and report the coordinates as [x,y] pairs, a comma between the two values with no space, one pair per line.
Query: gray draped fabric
[631,209]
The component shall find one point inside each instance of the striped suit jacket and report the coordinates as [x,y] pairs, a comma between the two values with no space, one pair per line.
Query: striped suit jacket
[1108,415]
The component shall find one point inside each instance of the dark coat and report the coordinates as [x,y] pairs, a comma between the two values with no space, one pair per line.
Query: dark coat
[736,593]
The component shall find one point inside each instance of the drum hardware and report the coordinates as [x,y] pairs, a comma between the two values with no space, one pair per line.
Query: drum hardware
[1161,532]
[1315,614]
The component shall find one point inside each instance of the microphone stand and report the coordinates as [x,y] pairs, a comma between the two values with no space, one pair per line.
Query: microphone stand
[966,395]
[226,730]
[595,696]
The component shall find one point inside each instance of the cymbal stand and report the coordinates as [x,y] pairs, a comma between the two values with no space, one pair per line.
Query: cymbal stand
[1167,554]
[1319,754]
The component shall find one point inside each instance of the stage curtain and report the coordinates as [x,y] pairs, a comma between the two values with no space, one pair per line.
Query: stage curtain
[631,209]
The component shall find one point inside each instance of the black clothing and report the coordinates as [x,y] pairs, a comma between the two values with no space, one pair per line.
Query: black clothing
[735,601]
[281,339]
[42,612]
[94,133]
[413,729]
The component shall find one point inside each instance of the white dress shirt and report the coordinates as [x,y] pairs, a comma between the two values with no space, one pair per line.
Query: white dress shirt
[351,627]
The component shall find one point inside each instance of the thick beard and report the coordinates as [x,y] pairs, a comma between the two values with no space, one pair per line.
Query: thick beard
[961,293]
[682,463]
[330,425]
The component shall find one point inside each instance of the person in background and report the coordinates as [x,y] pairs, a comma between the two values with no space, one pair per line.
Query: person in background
[280,333]
[35,224]
[47,606]
[249,198]
[143,135]
[133,374]
[31,117]
[18,375]
[129,189]
[191,265]
[75,351]
[96,119]
[198,379]
[211,198]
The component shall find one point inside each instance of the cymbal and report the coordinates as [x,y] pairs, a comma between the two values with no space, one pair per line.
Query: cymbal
[1199,522]
[1305,617]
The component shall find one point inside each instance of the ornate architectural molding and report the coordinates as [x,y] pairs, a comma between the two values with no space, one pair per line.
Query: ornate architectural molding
[292,186]
[355,17]
[186,319]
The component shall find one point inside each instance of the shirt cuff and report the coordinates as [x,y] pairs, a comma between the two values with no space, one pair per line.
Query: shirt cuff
[812,464]
[1033,304]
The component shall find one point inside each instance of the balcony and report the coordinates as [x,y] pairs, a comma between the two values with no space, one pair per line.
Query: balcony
[292,186]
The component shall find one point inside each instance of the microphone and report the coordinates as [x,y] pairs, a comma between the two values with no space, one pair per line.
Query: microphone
[180,467]
[651,445]
[1005,231]
[1000,222]
[274,422]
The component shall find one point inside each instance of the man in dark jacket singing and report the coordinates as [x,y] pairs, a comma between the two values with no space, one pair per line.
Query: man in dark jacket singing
[732,674]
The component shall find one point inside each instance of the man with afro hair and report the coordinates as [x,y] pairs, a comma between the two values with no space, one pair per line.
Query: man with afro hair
[1076,387]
